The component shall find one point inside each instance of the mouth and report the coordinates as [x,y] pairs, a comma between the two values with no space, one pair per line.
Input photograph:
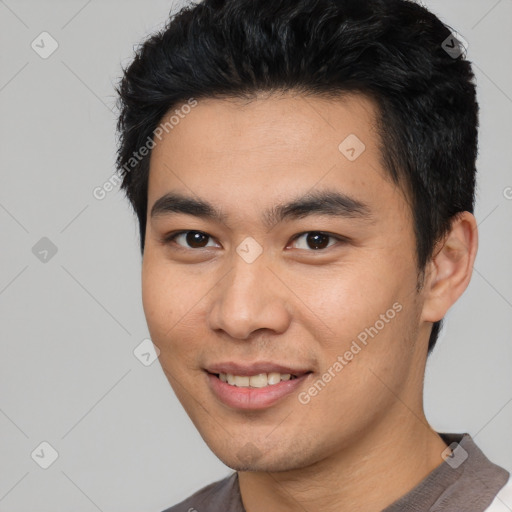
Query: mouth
[254,387]
[261,380]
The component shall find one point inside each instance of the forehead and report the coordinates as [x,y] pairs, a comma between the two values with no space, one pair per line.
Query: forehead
[270,147]
[285,121]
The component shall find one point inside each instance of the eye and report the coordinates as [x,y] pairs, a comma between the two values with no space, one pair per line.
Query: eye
[310,240]
[315,240]
[189,239]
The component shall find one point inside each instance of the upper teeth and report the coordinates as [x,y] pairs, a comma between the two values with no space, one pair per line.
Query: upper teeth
[255,381]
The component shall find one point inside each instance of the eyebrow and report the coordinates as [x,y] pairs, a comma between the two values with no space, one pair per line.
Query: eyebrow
[327,202]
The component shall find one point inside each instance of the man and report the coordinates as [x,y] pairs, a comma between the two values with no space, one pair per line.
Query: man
[303,174]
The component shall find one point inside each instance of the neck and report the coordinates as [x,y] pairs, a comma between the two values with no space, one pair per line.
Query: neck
[372,473]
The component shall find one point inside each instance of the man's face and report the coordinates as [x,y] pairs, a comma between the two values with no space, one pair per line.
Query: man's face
[325,291]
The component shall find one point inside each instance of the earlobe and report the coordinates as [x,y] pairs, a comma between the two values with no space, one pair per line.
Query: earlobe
[450,269]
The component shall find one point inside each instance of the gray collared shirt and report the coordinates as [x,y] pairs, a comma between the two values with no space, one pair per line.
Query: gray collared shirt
[468,481]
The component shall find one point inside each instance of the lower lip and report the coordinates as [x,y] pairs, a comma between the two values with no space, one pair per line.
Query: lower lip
[253,398]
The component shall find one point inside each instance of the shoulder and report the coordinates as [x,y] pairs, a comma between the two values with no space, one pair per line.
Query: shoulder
[220,495]
[503,500]
[478,484]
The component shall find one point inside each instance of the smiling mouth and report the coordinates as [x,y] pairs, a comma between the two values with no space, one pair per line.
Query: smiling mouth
[255,389]
[260,380]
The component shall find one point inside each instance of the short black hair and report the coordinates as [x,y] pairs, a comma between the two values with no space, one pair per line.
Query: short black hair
[394,51]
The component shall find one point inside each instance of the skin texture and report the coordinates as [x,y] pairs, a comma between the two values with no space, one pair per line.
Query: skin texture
[363,440]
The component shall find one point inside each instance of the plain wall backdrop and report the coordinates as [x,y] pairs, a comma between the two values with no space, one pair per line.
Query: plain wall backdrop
[70,297]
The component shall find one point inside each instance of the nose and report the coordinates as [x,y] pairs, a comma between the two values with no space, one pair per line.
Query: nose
[249,298]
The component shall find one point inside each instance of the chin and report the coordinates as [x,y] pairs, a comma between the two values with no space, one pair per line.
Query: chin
[251,458]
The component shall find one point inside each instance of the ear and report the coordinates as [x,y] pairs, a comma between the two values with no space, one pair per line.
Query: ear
[449,271]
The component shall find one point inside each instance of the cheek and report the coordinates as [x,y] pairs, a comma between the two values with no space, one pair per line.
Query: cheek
[349,298]
[368,316]
[172,303]
[363,371]
[161,301]
[156,299]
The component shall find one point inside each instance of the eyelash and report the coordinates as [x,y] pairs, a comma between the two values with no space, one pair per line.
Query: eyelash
[172,237]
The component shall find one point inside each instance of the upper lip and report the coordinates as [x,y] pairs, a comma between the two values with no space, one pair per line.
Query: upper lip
[245,370]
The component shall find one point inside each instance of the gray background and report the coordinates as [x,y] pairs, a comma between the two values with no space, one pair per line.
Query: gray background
[68,375]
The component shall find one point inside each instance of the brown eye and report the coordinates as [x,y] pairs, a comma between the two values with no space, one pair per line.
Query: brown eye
[315,240]
[196,239]
[190,239]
